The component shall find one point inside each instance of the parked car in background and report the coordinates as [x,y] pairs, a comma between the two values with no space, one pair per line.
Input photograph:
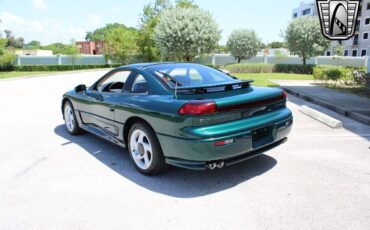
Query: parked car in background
[182,114]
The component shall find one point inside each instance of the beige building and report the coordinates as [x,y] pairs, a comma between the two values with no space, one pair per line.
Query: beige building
[357,46]
[34,52]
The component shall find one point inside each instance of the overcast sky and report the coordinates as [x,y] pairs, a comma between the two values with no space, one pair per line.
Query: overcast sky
[52,21]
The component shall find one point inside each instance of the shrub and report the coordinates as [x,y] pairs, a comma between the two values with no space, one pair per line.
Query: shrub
[270,68]
[60,67]
[7,62]
[298,69]
[335,73]
[319,74]
[250,68]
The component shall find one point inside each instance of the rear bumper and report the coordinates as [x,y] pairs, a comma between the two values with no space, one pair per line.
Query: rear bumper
[202,165]
[196,153]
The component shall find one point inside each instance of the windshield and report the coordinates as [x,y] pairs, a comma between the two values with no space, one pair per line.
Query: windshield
[185,75]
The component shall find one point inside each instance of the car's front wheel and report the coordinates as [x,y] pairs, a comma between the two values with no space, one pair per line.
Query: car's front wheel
[70,119]
[145,150]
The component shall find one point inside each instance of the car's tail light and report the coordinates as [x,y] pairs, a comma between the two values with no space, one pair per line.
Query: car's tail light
[198,108]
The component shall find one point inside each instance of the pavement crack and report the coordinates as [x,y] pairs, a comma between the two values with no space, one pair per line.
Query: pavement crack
[29,168]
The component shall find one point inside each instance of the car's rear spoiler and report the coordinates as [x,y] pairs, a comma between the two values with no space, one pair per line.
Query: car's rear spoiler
[203,89]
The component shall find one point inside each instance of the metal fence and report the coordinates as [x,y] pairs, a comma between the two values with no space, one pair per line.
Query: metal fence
[61,60]
[225,59]
[216,59]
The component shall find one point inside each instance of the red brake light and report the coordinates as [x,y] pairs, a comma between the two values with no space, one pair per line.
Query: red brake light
[284,95]
[198,108]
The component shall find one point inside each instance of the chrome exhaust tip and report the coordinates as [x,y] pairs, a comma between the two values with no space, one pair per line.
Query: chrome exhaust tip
[212,166]
[221,165]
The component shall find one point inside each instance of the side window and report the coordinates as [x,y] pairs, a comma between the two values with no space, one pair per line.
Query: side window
[114,83]
[140,85]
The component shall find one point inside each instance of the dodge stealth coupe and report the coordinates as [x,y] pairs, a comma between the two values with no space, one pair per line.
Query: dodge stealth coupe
[182,114]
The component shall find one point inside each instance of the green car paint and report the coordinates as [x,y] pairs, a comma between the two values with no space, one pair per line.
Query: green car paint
[186,141]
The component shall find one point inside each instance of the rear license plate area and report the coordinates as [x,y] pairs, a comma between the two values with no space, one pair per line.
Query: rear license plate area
[262,136]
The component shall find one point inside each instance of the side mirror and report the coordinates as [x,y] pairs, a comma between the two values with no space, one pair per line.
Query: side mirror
[80,88]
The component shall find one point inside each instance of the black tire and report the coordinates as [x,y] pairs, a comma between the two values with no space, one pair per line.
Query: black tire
[75,128]
[158,164]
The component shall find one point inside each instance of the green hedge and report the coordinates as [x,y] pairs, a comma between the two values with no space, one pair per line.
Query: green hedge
[250,68]
[298,69]
[60,67]
[270,68]
[335,73]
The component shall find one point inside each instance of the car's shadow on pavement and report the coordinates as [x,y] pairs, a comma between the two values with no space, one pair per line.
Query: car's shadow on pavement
[175,182]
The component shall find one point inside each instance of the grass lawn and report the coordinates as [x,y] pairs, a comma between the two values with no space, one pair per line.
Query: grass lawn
[263,79]
[12,74]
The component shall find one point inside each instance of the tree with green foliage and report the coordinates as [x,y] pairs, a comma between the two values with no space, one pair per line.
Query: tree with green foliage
[3,42]
[73,51]
[6,58]
[59,48]
[12,41]
[148,21]
[221,49]
[32,45]
[303,37]
[338,50]
[120,44]
[186,4]
[100,33]
[243,44]
[277,45]
[183,33]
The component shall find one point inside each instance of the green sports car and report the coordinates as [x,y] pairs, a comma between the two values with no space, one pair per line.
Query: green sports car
[188,115]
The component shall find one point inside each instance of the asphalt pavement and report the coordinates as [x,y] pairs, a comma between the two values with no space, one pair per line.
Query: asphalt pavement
[319,179]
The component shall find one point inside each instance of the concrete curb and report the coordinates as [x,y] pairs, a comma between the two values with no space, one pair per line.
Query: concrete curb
[351,114]
[323,118]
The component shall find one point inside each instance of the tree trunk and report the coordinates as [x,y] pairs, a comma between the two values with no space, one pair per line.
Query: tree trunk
[304,60]
[187,58]
[239,59]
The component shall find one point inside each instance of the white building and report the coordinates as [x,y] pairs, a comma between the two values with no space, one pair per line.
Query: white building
[357,46]
[305,9]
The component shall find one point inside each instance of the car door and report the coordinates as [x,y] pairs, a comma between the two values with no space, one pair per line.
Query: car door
[103,96]
[136,91]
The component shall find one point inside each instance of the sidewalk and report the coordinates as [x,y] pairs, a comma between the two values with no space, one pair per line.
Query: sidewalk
[350,105]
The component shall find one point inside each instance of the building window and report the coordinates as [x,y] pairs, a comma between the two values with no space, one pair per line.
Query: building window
[363,52]
[346,52]
[367,21]
[328,53]
[368,6]
[365,36]
[295,15]
[354,53]
[358,24]
[355,40]
[306,12]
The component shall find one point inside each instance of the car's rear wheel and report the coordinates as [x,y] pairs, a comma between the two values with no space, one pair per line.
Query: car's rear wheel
[70,119]
[145,150]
